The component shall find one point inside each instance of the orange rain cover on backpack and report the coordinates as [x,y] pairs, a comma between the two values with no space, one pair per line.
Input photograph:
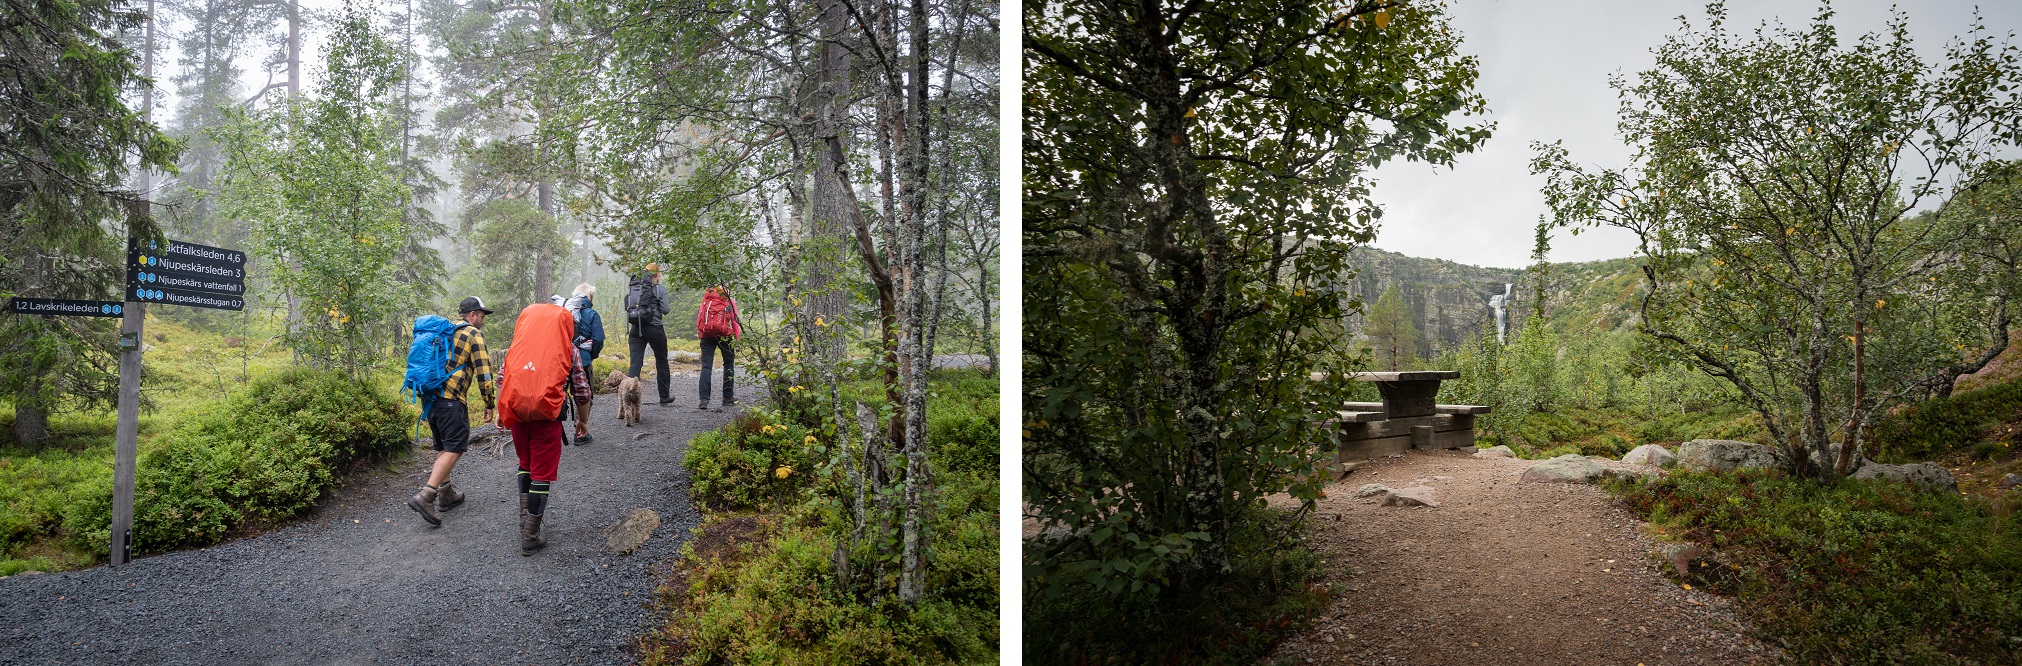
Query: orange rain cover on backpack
[533,380]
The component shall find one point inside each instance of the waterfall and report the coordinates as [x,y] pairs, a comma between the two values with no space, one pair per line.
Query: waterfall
[1500,303]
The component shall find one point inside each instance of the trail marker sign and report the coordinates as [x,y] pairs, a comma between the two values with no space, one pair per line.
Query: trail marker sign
[60,306]
[179,273]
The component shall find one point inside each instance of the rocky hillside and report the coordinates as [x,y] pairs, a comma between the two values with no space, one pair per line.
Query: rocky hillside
[1449,301]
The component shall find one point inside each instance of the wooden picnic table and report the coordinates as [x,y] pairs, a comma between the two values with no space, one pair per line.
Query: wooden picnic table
[1409,417]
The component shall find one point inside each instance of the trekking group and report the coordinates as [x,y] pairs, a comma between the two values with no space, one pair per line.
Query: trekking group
[543,382]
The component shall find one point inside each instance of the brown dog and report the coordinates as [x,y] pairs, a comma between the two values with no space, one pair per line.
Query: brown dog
[628,395]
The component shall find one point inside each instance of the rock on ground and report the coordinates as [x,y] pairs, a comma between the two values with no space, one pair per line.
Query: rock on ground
[1650,454]
[1497,451]
[1700,455]
[1371,490]
[1929,476]
[1411,496]
[635,529]
[1569,468]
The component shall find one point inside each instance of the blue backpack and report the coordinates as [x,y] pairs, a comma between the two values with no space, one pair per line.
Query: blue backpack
[428,360]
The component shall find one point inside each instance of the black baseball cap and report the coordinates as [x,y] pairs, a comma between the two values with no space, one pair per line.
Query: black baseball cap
[472,304]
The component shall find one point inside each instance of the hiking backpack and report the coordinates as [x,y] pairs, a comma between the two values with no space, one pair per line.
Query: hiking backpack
[640,301]
[534,379]
[717,318]
[428,360]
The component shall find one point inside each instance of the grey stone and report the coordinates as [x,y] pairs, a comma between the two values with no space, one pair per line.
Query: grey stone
[1497,451]
[2011,480]
[634,531]
[1650,454]
[1371,489]
[1412,496]
[1701,455]
[1569,468]
[1929,476]
[1679,556]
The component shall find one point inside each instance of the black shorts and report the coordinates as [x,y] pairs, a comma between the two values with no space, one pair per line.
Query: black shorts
[450,421]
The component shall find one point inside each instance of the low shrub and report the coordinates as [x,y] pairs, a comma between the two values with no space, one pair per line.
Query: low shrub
[263,456]
[1931,429]
[775,597]
[752,463]
[1855,572]
[1239,619]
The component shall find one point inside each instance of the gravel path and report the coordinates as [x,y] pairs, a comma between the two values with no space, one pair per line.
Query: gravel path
[363,580]
[1501,573]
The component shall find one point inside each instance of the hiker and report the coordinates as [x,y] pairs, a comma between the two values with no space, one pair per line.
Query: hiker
[717,324]
[645,301]
[448,414]
[589,343]
[540,379]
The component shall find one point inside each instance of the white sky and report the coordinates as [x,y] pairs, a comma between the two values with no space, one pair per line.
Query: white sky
[1544,70]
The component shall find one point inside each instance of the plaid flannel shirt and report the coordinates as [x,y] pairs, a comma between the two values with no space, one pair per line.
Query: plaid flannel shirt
[579,380]
[469,349]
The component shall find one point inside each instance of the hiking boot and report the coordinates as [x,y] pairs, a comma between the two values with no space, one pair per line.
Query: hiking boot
[530,533]
[424,503]
[582,439]
[666,401]
[447,497]
[702,405]
[730,402]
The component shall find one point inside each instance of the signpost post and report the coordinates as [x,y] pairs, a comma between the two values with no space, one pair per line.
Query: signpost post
[170,273]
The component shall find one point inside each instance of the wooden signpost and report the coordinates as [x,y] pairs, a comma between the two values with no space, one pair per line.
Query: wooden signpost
[170,273]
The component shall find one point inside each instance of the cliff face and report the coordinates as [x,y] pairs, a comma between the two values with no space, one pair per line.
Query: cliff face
[1449,301]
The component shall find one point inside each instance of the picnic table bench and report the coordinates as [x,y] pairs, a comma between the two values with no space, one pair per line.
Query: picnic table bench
[1408,418]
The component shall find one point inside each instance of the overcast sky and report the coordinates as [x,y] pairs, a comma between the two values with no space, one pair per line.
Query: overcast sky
[1544,69]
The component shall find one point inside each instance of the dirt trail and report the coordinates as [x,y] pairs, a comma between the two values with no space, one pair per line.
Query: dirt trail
[1501,573]
[364,581]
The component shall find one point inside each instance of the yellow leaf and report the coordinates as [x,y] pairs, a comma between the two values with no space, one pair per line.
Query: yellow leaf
[1190,113]
[1688,586]
[1879,303]
[783,472]
[810,439]
[1382,19]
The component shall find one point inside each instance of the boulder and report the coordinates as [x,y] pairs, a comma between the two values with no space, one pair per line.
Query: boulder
[1497,451]
[1371,490]
[2011,480]
[633,532]
[1650,454]
[1569,468]
[1928,476]
[1701,455]
[1411,496]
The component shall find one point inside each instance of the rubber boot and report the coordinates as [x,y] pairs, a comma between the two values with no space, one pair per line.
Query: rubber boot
[424,503]
[530,534]
[447,497]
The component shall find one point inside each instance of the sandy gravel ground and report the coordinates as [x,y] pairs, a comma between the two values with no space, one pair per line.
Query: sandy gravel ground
[1501,573]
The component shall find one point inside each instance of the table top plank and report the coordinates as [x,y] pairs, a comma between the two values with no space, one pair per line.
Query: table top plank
[1407,376]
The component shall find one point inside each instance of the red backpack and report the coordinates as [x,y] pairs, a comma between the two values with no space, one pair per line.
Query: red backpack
[718,316]
[533,380]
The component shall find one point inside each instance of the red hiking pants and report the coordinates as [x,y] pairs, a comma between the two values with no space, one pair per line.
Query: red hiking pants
[539,445]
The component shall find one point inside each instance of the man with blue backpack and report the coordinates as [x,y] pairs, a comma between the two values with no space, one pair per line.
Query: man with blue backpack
[444,360]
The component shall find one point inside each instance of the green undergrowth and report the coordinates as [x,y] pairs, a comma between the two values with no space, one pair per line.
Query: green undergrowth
[1237,619]
[231,439]
[757,583]
[1934,428]
[1612,432]
[1859,572]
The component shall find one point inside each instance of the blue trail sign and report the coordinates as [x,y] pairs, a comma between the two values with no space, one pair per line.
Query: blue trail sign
[59,306]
